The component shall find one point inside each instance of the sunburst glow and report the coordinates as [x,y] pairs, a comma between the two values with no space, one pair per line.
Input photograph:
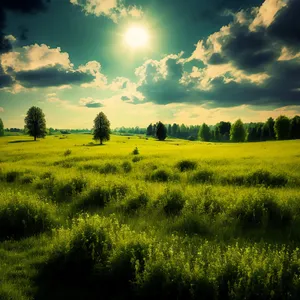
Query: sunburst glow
[136,37]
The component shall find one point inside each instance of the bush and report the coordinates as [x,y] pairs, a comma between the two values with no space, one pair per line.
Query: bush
[266,178]
[79,249]
[21,217]
[202,176]
[109,168]
[173,202]
[136,151]
[262,210]
[127,167]
[95,197]
[12,176]
[192,224]
[64,189]
[186,165]
[67,152]
[160,175]
[134,203]
[27,179]
[137,158]
[119,190]
[126,262]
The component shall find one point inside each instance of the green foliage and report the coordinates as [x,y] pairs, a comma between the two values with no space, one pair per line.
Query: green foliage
[135,202]
[238,132]
[127,166]
[109,168]
[202,176]
[161,131]
[101,128]
[282,128]
[294,129]
[137,159]
[186,165]
[161,175]
[22,216]
[204,133]
[35,123]
[67,152]
[266,178]
[1,128]
[173,201]
[136,151]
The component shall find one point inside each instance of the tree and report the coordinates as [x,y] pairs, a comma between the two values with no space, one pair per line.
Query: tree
[161,131]
[101,128]
[295,128]
[238,132]
[282,128]
[204,133]
[223,130]
[149,130]
[1,128]
[169,130]
[35,123]
[269,128]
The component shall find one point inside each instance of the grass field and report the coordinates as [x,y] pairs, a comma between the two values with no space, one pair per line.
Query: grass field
[179,220]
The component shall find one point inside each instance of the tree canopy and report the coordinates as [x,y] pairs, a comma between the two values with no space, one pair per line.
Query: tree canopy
[161,131]
[101,128]
[1,128]
[204,133]
[35,123]
[238,132]
[282,128]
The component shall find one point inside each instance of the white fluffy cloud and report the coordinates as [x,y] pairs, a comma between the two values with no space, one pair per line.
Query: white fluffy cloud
[35,57]
[113,9]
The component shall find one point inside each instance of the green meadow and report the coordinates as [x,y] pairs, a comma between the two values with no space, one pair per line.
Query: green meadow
[172,220]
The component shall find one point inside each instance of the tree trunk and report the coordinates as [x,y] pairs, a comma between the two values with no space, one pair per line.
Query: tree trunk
[35,138]
[101,142]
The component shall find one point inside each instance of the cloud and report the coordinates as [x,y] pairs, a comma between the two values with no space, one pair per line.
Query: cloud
[89,102]
[113,9]
[51,76]
[42,66]
[247,62]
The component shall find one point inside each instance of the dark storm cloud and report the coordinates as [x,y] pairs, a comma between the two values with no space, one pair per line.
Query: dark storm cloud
[19,6]
[286,26]
[217,59]
[51,77]
[249,51]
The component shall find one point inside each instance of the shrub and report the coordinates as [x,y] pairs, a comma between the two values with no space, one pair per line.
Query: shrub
[27,179]
[79,249]
[185,165]
[262,210]
[173,202]
[202,176]
[127,167]
[109,168]
[119,190]
[136,202]
[266,178]
[95,197]
[126,262]
[136,151]
[12,176]
[137,158]
[192,224]
[67,152]
[161,175]
[64,189]
[21,217]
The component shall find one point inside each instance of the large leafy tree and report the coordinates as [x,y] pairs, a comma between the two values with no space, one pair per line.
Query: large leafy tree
[204,133]
[282,128]
[238,132]
[161,131]
[35,123]
[222,131]
[149,130]
[295,128]
[1,128]
[101,128]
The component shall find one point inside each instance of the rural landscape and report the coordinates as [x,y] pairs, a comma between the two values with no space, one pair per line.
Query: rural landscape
[149,150]
[143,218]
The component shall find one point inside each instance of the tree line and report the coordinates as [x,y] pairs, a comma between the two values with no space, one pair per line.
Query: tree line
[283,128]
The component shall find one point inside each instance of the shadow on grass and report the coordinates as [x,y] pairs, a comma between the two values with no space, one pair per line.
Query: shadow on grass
[93,145]
[22,141]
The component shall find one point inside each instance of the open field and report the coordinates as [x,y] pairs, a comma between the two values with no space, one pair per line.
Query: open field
[179,220]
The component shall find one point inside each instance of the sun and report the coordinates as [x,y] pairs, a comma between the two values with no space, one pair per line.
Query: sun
[136,37]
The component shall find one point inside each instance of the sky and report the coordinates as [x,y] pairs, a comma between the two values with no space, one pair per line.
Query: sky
[143,61]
